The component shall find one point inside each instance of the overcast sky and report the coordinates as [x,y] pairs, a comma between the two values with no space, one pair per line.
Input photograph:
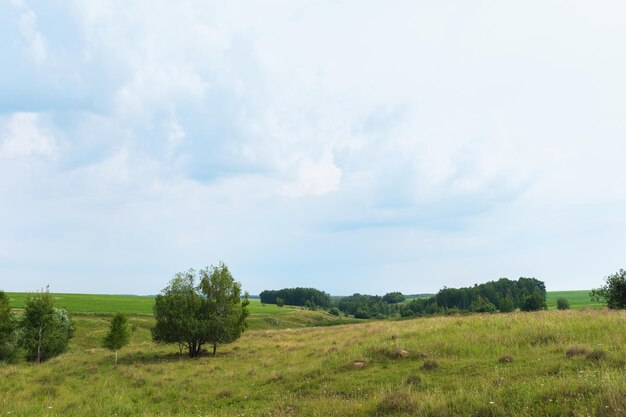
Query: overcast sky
[352,146]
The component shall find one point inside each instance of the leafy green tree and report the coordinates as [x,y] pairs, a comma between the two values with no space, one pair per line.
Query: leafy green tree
[119,334]
[534,302]
[393,297]
[507,305]
[562,303]
[224,308]
[482,305]
[613,292]
[7,329]
[280,302]
[45,331]
[192,316]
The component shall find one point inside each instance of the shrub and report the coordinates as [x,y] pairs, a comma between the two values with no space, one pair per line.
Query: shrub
[334,311]
[505,359]
[430,365]
[280,302]
[562,303]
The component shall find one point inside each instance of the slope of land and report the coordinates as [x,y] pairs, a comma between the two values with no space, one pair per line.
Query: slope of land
[550,363]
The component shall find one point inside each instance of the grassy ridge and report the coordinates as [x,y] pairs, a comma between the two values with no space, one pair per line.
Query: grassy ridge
[513,364]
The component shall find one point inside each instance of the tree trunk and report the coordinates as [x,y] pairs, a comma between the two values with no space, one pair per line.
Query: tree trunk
[214,348]
[115,357]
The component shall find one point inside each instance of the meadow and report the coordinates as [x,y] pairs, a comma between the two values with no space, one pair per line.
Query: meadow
[549,363]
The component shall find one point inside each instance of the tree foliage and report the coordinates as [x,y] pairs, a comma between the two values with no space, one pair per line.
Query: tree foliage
[44,330]
[503,295]
[613,292]
[193,316]
[8,341]
[364,306]
[296,297]
[393,297]
[118,335]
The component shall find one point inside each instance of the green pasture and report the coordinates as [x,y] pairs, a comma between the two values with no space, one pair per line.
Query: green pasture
[577,299]
[129,304]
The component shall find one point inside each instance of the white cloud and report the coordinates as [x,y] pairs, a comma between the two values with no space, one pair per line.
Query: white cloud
[314,179]
[22,137]
[32,37]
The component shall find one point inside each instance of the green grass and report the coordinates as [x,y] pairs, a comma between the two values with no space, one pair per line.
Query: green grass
[93,303]
[577,299]
[129,304]
[311,372]
[262,316]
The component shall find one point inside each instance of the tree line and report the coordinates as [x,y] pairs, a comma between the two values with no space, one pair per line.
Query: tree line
[305,297]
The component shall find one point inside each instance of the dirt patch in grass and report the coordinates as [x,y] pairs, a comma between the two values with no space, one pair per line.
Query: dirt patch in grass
[575,351]
[505,359]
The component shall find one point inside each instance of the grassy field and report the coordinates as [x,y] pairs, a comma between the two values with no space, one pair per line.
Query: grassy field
[129,304]
[262,316]
[577,299]
[550,363]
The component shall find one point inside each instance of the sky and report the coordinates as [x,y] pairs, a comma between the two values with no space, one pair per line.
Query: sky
[350,145]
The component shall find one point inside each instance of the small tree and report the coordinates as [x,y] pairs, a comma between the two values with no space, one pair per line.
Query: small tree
[119,334]
[191,316]
[7,329]
[45,331]
[613,292]
[280,302]
[562,303]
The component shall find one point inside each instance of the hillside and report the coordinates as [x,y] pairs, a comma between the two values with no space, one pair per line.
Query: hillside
[520,364]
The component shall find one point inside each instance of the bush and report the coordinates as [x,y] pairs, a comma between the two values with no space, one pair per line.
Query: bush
[613,292]
[280,302]
[334,311]
[562,303]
